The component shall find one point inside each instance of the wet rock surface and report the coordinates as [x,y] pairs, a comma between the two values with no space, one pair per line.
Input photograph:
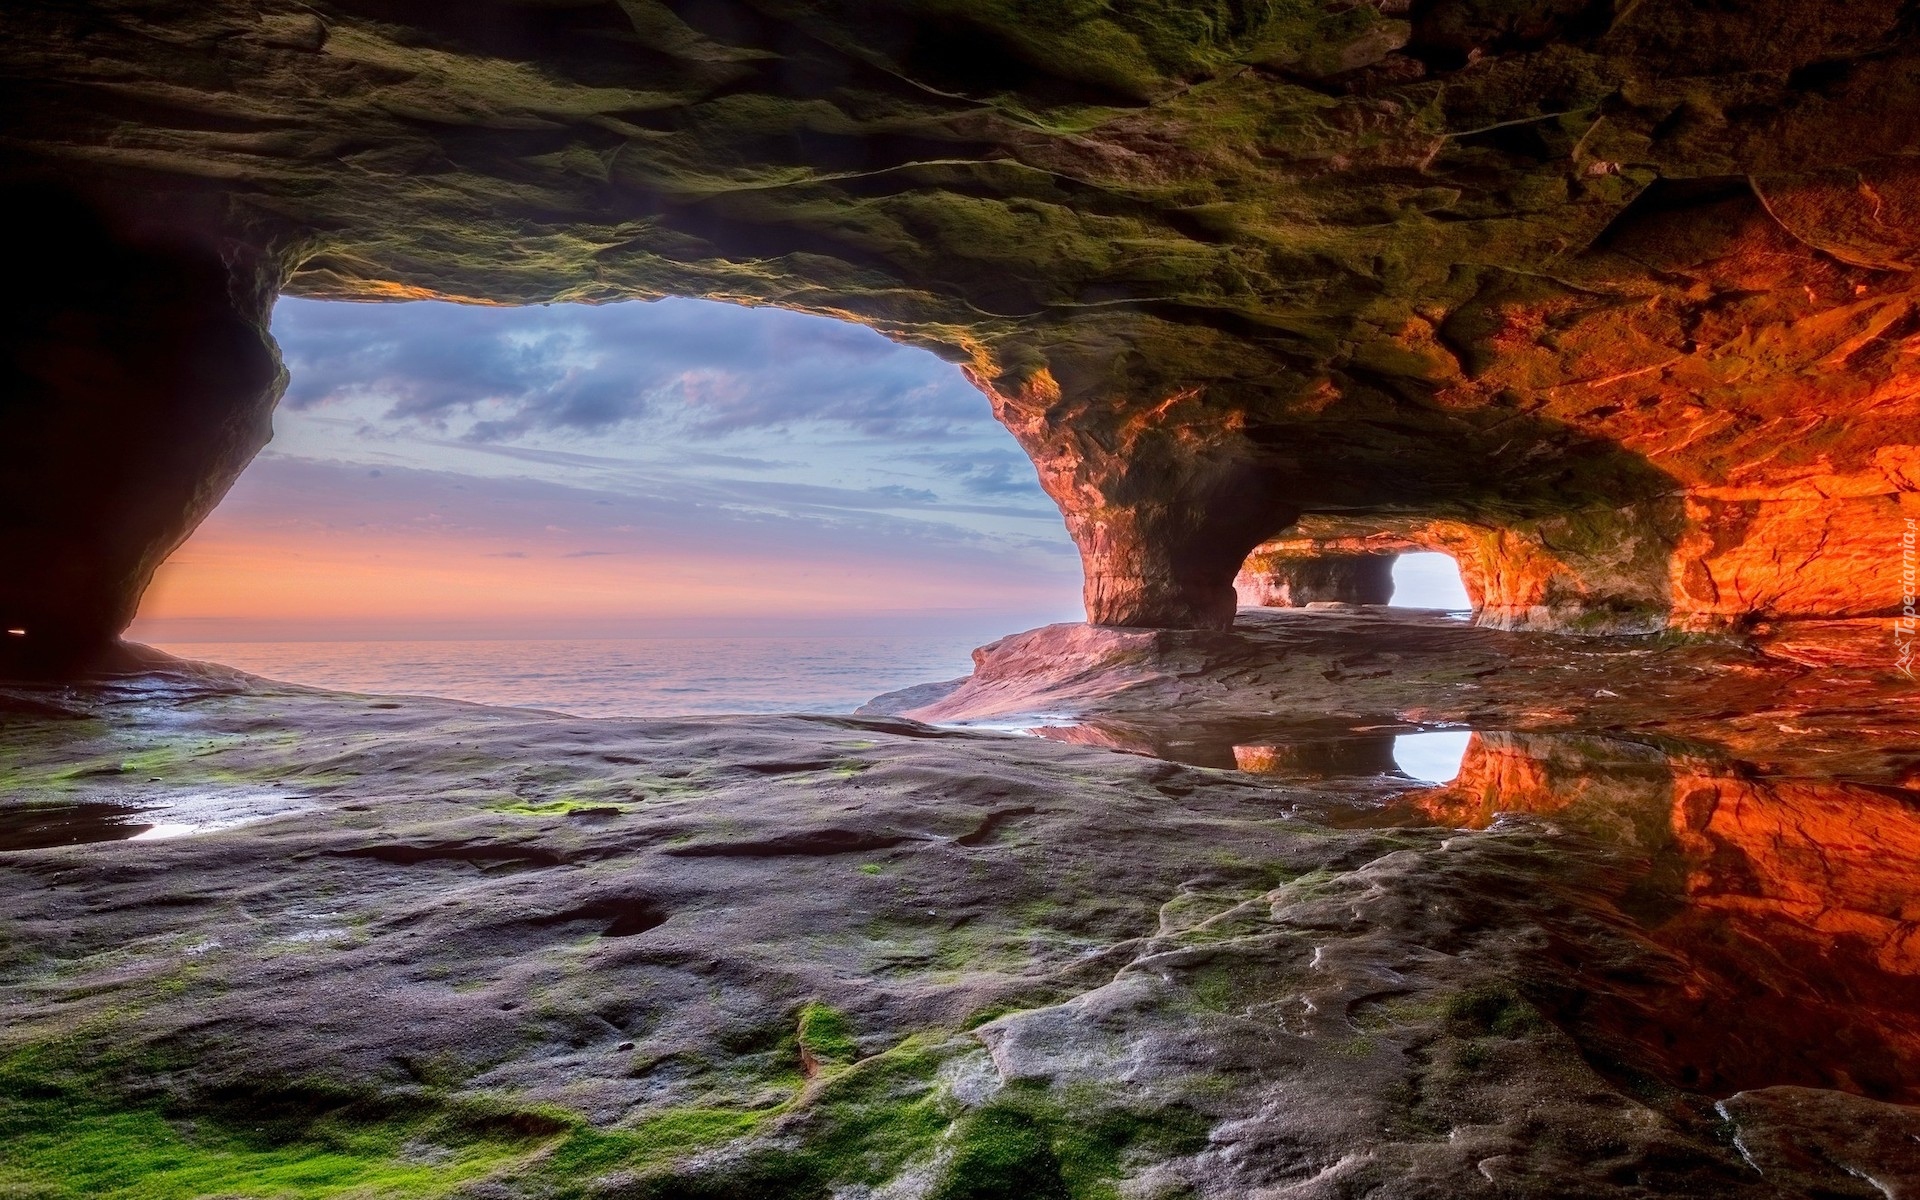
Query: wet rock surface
[1825,699]
[506,953]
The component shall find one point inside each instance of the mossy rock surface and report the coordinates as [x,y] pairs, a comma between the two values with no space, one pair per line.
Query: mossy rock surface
[1151,979]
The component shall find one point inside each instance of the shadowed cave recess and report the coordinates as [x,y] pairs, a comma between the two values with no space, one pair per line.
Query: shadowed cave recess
[1614,303]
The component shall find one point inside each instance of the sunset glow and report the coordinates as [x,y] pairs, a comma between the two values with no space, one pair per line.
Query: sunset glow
[449,471]
[242,578]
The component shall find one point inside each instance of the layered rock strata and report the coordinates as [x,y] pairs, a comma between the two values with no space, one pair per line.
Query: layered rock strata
[1624,292]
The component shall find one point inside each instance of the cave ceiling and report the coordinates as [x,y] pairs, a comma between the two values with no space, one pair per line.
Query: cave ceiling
[1218,262]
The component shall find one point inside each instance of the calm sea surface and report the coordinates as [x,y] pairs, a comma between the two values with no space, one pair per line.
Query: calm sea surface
[616,677]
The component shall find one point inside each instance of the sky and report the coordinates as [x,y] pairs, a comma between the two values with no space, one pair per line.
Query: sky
[1429,579]
[628,469]
[637,469]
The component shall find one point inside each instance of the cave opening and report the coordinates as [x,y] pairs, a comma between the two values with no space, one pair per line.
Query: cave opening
[1294,571]
[1430,579]
[686,505]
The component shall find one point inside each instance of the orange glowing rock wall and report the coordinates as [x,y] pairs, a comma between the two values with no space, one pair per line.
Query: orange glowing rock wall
[1787,905]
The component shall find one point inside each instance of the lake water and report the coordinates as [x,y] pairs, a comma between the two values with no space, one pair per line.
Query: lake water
[683,676]
[635,677]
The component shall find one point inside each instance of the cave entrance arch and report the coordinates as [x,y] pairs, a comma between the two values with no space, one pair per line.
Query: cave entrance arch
[1194,351]
[1291,572]
[445,470]
[1430,579]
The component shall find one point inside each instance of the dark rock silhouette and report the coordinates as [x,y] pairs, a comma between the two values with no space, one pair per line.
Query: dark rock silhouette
[137,380]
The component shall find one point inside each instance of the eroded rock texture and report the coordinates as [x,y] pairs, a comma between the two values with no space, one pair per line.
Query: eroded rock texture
[1623,290]
[502,954]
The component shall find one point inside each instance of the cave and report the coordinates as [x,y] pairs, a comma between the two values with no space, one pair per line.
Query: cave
[1613,303]
[1641,357]
[1430,579]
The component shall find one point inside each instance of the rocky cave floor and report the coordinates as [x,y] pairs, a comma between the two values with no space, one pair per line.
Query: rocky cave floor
[1659,937]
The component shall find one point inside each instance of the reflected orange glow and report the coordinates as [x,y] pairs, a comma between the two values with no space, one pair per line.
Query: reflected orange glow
[1836,860]
[1544,774]
[1788,906]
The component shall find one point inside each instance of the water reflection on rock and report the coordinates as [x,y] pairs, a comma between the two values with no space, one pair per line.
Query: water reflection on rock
[1787,907]
[37,823]
[1332,758]
[1782,912]
[40,826]
[1436,756]
[1585,966]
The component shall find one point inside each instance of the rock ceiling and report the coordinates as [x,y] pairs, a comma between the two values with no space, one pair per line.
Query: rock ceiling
[1624,291]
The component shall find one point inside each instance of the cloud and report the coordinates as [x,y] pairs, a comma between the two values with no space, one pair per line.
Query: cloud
[683,456]
[983,470]
[298,501]
[800,497]
[437,361]
[498,375]
[911,495]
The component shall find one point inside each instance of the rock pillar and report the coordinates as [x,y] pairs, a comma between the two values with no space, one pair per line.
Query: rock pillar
[137,379]
[1164,505]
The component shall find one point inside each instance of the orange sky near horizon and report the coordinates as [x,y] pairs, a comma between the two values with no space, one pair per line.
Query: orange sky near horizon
[543,469]
[217,577]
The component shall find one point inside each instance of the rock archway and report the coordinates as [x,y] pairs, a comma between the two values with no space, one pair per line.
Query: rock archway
[1605,571]
[1625,290]
[1296,572]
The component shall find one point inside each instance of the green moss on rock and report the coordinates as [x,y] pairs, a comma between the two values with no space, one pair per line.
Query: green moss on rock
[826,1034]
[1075,1142]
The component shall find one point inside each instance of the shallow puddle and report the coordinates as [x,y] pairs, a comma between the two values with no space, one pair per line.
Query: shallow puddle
[44,824]
[1426,756]
[1433,757]
[40,826]
[1783,908]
